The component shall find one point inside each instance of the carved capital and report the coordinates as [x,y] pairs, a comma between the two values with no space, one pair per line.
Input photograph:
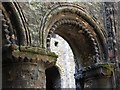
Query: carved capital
[32,55]
[99,70]
[26,67]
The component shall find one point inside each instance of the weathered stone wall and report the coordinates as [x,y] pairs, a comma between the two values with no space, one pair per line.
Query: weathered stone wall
[118,38]
[35,11]
[26,68]
[23,75]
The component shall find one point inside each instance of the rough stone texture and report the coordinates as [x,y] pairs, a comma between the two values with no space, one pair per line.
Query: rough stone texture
[23,75]
[0,50]
[118,38]
[34,13]
[26,69]
[96,10]
[118,21]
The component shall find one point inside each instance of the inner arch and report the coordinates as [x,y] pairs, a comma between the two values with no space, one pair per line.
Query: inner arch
[81,40]
[81,45]
[84,36]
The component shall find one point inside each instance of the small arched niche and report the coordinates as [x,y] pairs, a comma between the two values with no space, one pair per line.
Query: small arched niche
[53,79]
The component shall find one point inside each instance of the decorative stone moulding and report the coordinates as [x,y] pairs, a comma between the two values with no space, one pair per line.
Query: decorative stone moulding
[99,71]
[26,68]
[31,54]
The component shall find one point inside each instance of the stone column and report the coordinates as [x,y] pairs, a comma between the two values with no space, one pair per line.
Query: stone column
[79,79]
[97,76]
[26,68]
[100,76]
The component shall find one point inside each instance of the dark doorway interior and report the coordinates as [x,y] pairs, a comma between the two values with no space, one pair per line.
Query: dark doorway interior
[53,81]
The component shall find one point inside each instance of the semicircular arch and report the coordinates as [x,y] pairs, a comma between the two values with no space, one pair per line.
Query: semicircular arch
[84,35]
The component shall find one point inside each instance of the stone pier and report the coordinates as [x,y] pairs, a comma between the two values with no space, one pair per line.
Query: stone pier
[26,68]
[96,76]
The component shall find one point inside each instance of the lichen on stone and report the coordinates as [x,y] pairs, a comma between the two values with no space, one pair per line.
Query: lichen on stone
[109,67]
[37,50]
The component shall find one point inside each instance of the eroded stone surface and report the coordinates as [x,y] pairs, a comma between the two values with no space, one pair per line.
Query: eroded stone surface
[26,66]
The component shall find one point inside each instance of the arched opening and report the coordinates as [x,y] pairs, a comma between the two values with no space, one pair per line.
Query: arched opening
[84,36]
[65,60]
[53,80]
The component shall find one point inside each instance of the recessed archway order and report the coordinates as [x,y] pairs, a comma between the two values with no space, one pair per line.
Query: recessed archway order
[84,36]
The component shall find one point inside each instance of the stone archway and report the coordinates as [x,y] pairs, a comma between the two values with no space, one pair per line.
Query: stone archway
[70,21]
[85,37]
[65,61]
[53,79]
[23,66]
